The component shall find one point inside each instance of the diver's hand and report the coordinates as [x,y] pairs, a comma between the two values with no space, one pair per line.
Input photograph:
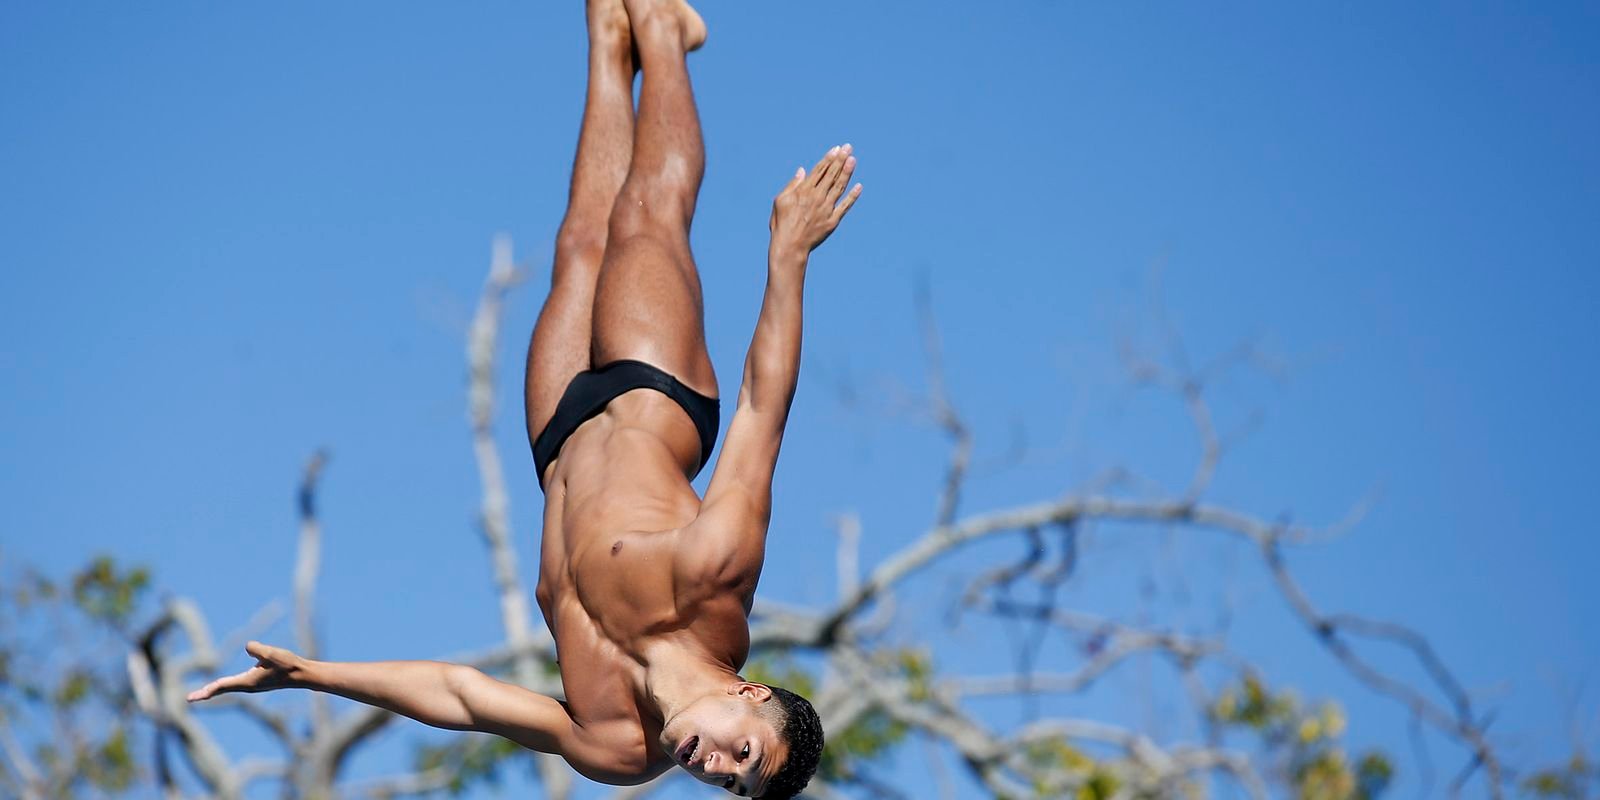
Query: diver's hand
[809,208]
[276,668]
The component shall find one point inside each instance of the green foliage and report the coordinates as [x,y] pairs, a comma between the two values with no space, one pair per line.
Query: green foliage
[1373,773]
[1304,741]
[48,756]
[1325,776]
[1065,771]
[73,689]
[472,759]
[1568,781]
[31,588]
[1056,754]
[109,765]
[1101,785]
[870,736]
[1252,706]
[62,682]
[917,667]
[864,740]
[780,671]
[107,594]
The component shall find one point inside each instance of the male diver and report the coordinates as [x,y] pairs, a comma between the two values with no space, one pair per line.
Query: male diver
[645,585]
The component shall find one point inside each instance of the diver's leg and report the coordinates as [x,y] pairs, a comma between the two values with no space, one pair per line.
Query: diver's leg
[560,347]
[647,303]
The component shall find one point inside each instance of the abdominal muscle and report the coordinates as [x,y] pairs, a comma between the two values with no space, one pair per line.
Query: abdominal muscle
[615,500]
[625,469]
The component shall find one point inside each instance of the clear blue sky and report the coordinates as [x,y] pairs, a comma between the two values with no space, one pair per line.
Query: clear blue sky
[230,235]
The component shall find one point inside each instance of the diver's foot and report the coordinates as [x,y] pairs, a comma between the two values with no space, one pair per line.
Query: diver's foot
[610,33]
[675,15]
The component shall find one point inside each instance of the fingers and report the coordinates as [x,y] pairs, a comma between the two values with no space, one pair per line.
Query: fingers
[799,177]
[203,693]
[819,173]
[841,176]
[849,200]
[832,172]
[267,654]
[273,663]
[222,686]
[837,163]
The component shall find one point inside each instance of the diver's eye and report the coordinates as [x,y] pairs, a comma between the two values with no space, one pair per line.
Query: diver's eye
[729,784]
[746,752]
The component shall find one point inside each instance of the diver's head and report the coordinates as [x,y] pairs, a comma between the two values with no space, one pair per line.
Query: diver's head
[752,739]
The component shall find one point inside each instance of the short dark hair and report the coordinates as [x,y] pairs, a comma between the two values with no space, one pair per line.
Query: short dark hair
[798,726]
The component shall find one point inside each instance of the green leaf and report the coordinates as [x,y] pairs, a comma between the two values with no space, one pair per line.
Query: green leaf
[1374,772]
[73,689]
[106,594]
[474,760]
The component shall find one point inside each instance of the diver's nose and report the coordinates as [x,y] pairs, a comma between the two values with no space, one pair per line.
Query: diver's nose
[714,765]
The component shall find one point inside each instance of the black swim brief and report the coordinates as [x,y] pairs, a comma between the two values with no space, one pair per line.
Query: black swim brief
[589,392]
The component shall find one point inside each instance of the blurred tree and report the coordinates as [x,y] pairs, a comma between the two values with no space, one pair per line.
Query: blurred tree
[88,671]
[65,713]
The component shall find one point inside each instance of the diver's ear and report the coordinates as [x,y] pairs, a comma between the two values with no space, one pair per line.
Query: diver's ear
[754,692]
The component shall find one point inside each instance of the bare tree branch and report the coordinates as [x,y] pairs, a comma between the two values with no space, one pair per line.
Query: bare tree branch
[1462,725]
[273,722]
[847,556]
[416,783]
[944,414]
[308,563]
[31,782]
[264,618]
[495,516]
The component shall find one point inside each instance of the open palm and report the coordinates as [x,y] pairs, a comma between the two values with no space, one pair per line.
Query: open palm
[276,668]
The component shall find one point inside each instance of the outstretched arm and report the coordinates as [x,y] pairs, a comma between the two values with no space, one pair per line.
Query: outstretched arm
[738,502]
[435,693]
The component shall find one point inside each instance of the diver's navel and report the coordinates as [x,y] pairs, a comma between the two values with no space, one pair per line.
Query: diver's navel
[616,548]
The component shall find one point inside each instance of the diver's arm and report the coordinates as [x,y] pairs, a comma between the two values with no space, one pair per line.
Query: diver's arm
[436,693]
[738,500]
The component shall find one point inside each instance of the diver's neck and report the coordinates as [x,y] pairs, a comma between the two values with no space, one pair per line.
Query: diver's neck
[676,675]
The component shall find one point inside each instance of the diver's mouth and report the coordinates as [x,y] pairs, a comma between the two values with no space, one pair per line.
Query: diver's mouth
[688,749]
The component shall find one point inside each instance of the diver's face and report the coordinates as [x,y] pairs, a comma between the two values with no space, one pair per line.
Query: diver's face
[721,740]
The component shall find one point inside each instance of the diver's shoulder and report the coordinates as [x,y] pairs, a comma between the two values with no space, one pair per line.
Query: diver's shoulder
[618,752]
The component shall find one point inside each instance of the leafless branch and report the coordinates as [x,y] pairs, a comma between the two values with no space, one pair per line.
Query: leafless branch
[1329,630]
[423,782]
[271,721]
[495,516]
[31,783]
[263,619]
[495,505]
[158,688]
[848,555]
[1108,644]
[944,414]
[308,563]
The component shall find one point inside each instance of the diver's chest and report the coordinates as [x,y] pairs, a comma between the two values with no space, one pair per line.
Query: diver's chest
[624,582]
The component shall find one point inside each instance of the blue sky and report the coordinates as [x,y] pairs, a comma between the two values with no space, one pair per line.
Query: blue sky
[229,236]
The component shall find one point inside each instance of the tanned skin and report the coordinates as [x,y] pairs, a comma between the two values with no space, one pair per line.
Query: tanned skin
[646,586]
